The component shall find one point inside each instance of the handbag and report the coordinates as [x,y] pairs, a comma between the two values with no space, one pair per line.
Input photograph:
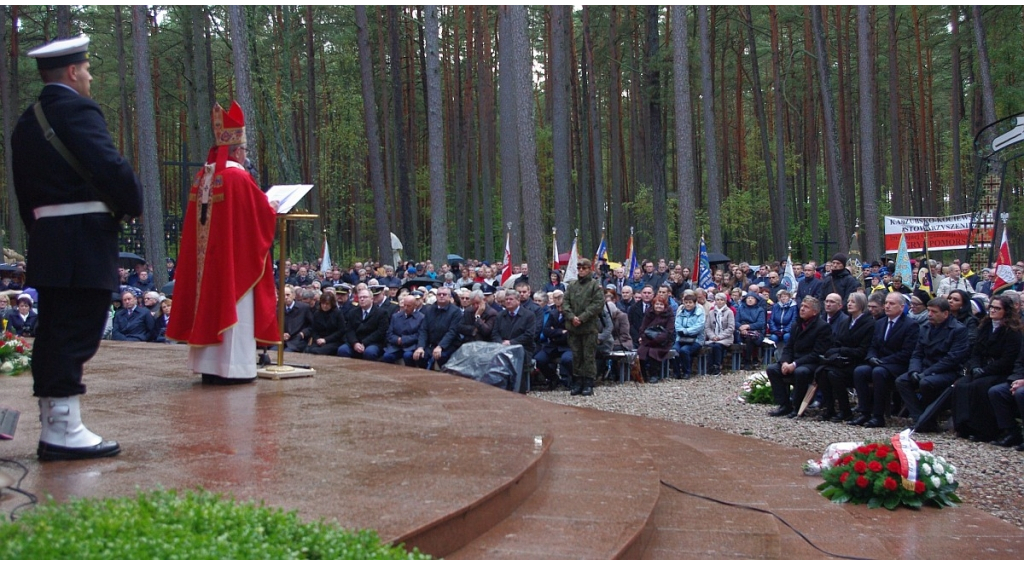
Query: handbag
[654,333]
[687,339]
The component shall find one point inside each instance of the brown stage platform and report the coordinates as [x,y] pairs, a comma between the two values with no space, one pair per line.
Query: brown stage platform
[463,470]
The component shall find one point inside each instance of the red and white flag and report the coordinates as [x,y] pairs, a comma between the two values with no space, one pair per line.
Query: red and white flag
[555,263]
[506,271]
[1004,271]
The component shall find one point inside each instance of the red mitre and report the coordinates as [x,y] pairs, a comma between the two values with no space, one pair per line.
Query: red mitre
[228,129]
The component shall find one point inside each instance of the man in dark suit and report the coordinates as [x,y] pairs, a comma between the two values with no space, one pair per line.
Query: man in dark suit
[131,322]
[810,338]
[833,312]
[849,348]
[515,325]
[938,359]
[439,332]
[894,340]
[477,319]
[72,223]
[637,311]
[298,322]
[367,329]
[382,299]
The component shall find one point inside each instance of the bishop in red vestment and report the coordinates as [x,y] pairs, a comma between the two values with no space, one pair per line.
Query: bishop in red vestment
[225,300]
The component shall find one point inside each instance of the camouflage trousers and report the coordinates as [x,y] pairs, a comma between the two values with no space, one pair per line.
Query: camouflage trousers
[584,354]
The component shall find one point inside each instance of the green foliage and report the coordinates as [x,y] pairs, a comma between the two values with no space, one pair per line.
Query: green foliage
[196,525]
[757,389]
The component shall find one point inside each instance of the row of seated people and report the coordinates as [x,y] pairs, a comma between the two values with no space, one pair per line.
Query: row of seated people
[983,362]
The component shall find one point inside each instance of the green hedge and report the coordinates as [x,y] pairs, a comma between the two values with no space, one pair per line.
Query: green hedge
[194,525]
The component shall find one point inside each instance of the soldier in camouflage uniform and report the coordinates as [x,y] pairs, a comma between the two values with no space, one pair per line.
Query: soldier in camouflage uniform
[582,311]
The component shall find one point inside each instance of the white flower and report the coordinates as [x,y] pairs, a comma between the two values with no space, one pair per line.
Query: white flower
[949,478]
[936,481]
[6,367]
[925,469]
[939,469]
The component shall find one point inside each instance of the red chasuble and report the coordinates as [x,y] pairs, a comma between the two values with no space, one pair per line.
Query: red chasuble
[222,259]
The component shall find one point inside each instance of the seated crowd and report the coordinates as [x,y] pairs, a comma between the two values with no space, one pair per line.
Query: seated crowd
[897,347]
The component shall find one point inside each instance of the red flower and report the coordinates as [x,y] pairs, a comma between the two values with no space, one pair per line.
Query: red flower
[882,451]
[860,466]
[862,482]
[842,479]
[872,446]
[846,459]
[889,484]
[863,450]
[919,487]
[875,466]
[893,466]
[926,445]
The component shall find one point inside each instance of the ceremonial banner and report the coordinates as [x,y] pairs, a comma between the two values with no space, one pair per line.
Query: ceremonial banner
[1004,276]
[506,271]
[571,271]
[704,278]
[555,263]
[630,257]
[325,261]
[602,252]
[903,263]
[789,278]
[943,232]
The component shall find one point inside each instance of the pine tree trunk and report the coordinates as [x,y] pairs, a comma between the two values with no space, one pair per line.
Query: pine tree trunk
[956,112]
[406,195]
[780,222]
[242,57]
[869,190]
[895,129]
[832,168]
[149,172]
[710,134]
[9,100]
[201,79]
[988,105]
[376,166]
[312,125]
[64,21]
[435,139]
[127,131]
[485,112]
[597,162]
[561,163]
[685,175]
[616,152]
[509,140]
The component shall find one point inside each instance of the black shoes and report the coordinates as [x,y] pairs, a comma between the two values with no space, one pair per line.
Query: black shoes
[214,380]
[577,388]
[1009,439]
[46,451]
[654,379]
[874,423]
[841,417]
[826,417]
[588,387]
[860,420]
[781,410]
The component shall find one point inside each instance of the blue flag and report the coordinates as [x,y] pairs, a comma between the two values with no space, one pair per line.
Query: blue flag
[704,279]
[602,252]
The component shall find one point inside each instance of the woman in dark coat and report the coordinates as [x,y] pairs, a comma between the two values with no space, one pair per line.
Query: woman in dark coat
[992,357]
[653,350]
[22,321]
[960,308]
[328,326]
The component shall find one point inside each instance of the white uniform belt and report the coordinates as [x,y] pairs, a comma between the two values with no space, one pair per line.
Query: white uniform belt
[77,208]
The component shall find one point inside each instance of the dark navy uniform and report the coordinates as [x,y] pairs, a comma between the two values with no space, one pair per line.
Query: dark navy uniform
[72,257]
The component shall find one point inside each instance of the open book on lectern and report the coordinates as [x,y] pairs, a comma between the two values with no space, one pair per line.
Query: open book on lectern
[288,195]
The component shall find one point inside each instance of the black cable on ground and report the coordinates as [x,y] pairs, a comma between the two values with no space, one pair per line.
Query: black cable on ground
[32,499]
[767,512]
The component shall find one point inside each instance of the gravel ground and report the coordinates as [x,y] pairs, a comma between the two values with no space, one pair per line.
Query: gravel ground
[991,478]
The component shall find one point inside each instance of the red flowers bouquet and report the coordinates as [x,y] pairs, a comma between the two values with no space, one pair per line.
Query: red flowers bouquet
[15,354]
[902,472]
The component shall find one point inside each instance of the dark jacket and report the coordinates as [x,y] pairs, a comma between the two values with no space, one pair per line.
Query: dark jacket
[636,319]
[852,343]
[371,331]
[21,327]
[406,328]
[941,349]
[807,343]
[995,351]
[138,326]
[781,320]
[837,320]
[440,328]
[838,282]
[298,323]
[329,326]
[473,328]
[76,251]
[657,349]
[967,319]
[517,331]
[894,352]
[553,336]
[584,299]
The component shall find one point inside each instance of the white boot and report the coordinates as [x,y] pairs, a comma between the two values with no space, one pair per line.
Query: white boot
[63,435]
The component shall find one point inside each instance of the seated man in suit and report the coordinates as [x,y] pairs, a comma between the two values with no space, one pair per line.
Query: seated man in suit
[403,332]
[849,348]
[477,319]
[439,332]
[367,329]
[132,323]
[894,340]
[516,325]
[298,322]
[810,338]
[938,359]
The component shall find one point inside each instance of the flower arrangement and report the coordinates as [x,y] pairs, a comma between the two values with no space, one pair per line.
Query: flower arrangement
[902,472]
[757,389]
[15,354]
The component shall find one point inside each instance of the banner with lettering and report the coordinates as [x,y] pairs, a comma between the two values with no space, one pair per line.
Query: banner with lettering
[943,232]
